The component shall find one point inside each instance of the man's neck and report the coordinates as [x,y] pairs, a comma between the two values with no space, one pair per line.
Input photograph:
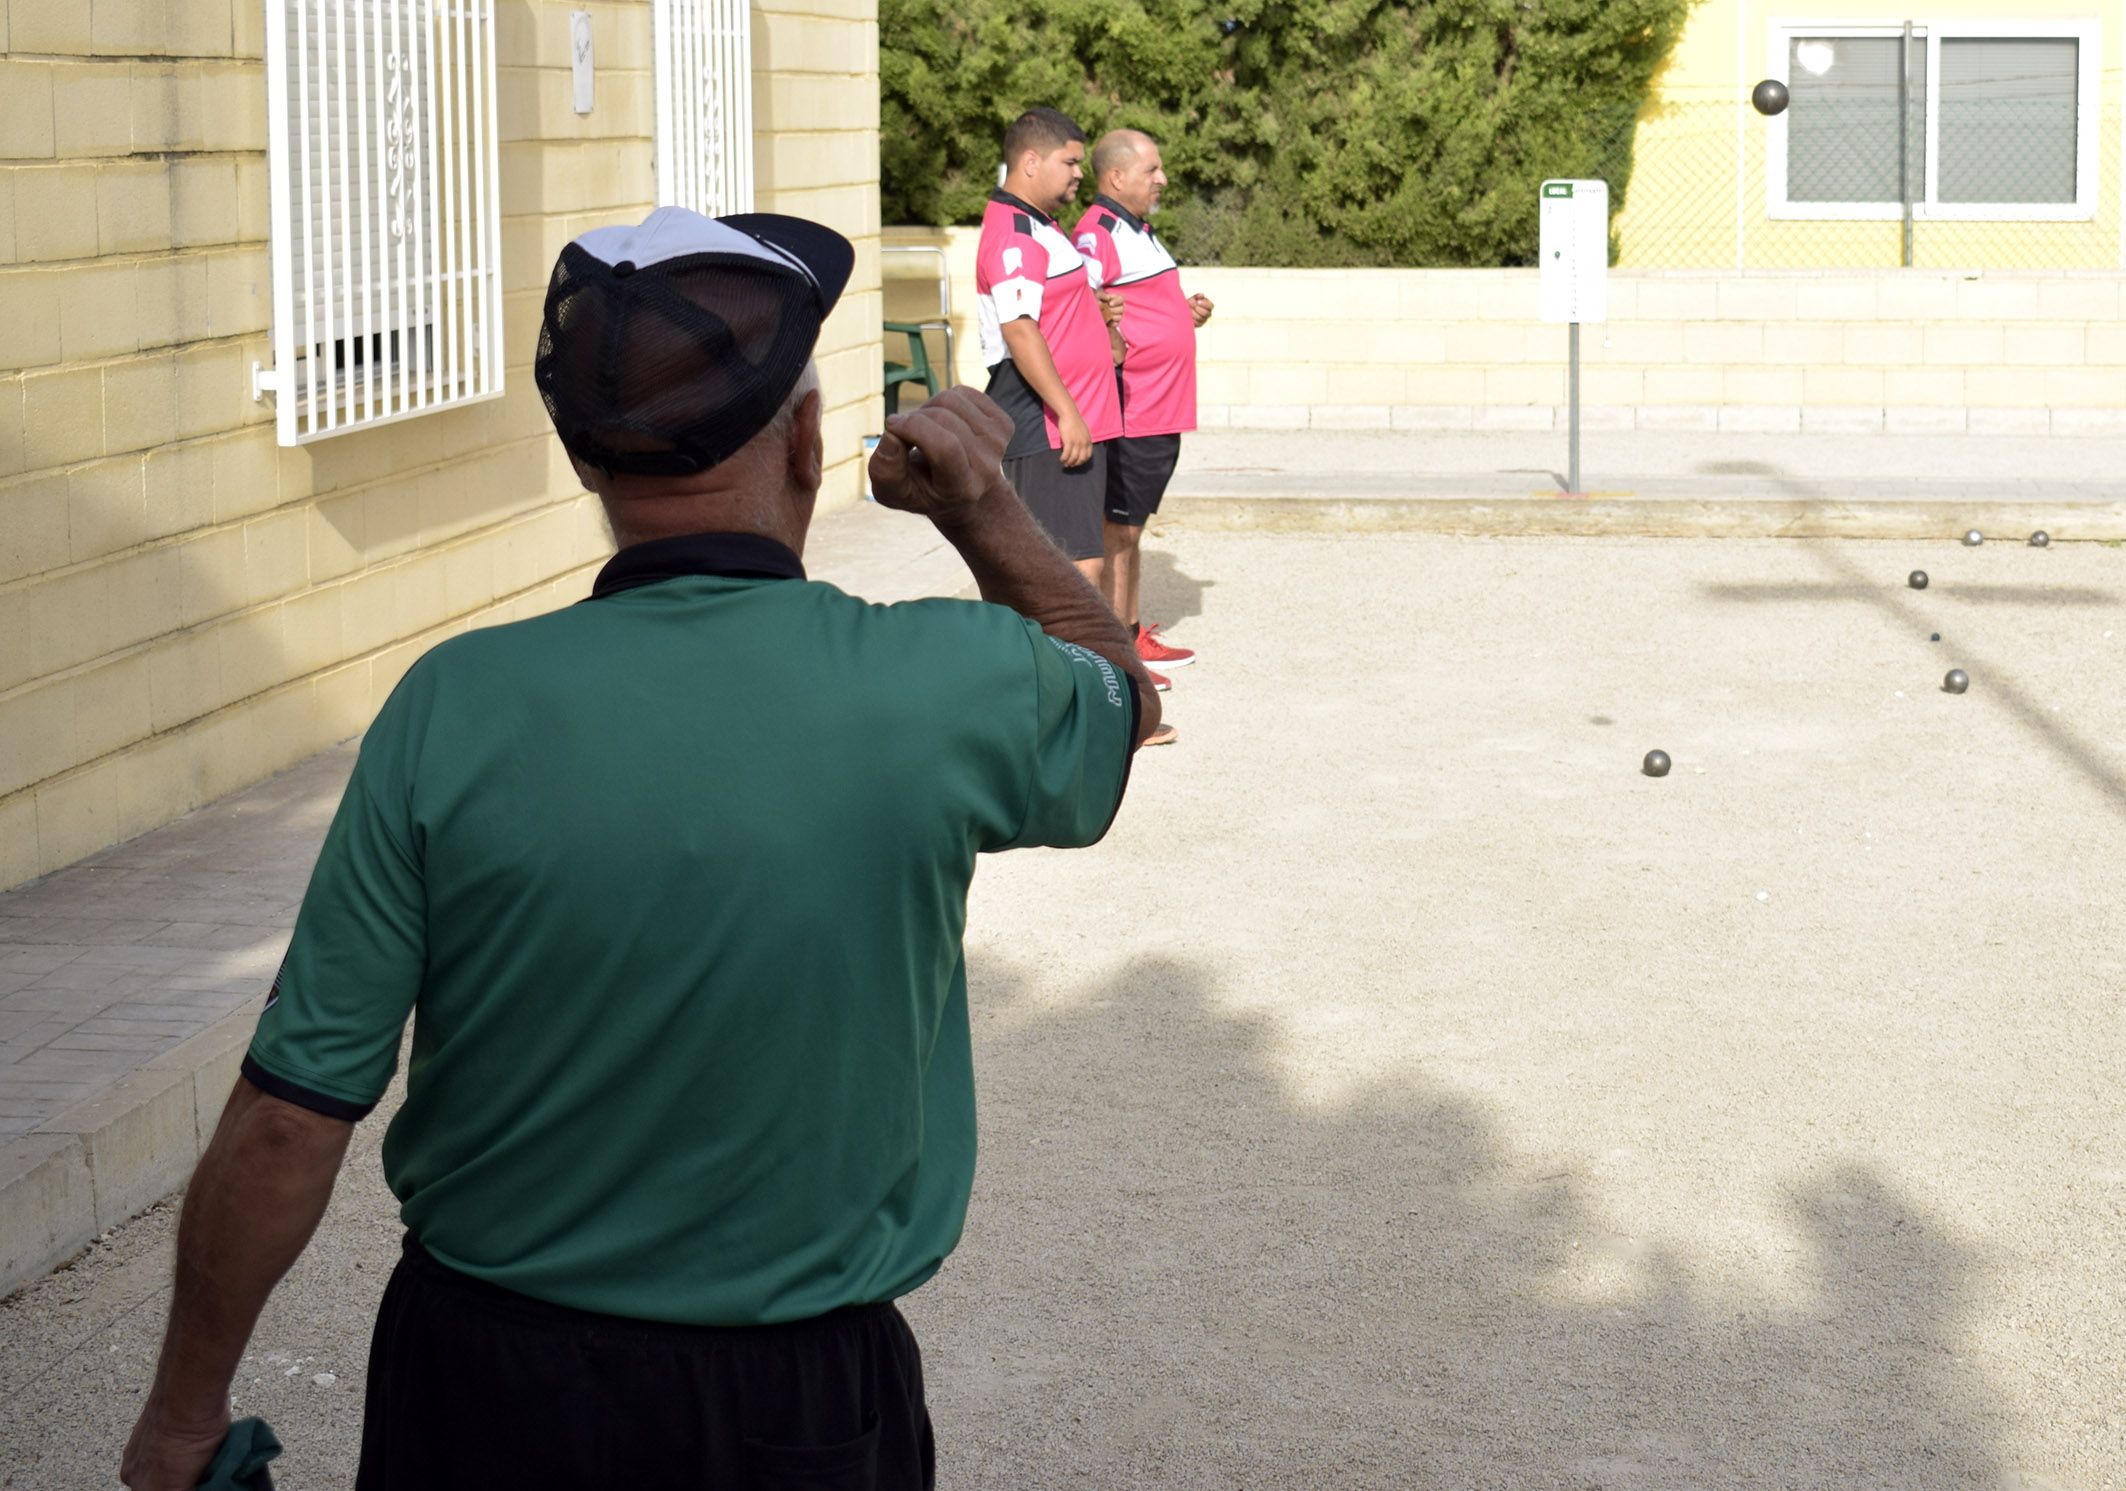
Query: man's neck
[1115,204]
[1016,190]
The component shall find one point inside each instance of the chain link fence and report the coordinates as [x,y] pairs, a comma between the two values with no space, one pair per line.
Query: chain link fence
[1927,144]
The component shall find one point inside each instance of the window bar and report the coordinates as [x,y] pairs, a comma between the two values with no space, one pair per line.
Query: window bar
[461,19]
[446,203]
[322,228]
[740,148]
[697,123]
[424,197]
[306,236]
[491,214]
[365,113]
[1904,141]
[342,236]
[397,147]
[284,241]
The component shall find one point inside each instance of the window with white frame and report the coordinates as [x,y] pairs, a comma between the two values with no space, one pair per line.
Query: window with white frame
[386,224]
[702,61]
[1968,120]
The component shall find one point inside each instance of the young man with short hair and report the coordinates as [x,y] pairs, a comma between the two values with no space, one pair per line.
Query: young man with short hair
[1044,339]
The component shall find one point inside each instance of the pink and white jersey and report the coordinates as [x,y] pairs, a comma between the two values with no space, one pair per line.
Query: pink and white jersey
[1159,369]
[1025,267]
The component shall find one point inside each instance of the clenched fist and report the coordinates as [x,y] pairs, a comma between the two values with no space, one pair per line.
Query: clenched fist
[939,461]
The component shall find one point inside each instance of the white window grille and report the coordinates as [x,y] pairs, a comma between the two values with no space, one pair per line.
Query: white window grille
[386,221]
[1998,121]
[703,57]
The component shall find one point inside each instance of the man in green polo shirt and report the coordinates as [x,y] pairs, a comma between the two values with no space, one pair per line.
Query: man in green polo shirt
[672,883]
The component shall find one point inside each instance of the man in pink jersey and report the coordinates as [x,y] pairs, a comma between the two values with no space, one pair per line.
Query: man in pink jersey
[1051,361]
[1158,372]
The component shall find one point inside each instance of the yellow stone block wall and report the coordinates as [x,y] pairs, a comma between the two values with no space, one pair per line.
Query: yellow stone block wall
[1697,135]
[1850,351]
[186,607]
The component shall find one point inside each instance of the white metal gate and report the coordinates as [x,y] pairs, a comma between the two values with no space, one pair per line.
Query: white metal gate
[704,71]
[386,219]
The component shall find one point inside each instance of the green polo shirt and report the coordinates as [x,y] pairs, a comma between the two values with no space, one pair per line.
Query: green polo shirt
[672,883]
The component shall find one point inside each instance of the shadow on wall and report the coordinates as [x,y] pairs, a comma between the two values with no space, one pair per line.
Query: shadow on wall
[1177,1276]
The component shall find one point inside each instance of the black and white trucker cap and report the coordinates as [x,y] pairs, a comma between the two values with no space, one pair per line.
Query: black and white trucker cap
[670,343]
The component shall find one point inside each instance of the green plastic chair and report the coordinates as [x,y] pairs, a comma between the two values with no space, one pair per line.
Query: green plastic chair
[916,369]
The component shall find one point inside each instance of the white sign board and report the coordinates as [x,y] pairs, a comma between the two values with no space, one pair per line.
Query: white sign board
[579,47]
[1575,251]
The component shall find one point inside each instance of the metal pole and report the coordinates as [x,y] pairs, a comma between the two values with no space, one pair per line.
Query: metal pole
[1904,147]
[1573,486]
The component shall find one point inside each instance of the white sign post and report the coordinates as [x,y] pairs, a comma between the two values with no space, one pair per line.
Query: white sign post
[1574,249]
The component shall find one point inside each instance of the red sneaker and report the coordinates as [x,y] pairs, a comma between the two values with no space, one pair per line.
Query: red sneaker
[1152,650]
[1160,681]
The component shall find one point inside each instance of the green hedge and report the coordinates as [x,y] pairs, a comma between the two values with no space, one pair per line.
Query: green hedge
[1316,132]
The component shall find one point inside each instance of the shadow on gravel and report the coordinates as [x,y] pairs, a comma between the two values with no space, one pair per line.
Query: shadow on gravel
[1169,595]
[1175,1275]
[1903,605]
[1870,591]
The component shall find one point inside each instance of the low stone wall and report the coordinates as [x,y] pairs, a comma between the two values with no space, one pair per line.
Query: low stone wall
[1844,351]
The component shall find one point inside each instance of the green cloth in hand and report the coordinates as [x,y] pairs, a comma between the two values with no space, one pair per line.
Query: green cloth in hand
[240,1463]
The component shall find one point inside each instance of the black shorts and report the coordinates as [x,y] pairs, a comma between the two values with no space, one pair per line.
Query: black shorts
[1138,469]
[1065,501]
[473,1385]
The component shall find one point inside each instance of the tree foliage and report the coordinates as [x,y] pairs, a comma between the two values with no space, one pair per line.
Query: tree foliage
[1306,132]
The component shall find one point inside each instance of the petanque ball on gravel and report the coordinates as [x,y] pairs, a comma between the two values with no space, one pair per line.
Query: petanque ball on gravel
[1934,637]
[1973,539]
[1957,681]
[2041,540]
[1917,579]
[1656,764]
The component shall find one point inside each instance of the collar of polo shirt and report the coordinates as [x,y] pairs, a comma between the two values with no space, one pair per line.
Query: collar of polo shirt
[1010,199]
[734,556]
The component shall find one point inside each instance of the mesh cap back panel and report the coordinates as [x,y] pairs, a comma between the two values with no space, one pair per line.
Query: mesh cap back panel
[667,370]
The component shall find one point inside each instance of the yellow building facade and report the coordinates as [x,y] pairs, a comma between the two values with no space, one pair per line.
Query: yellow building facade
[187,604]
[2009,114]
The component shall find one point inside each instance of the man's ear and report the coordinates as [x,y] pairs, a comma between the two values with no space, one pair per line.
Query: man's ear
[807,451]
[586,473]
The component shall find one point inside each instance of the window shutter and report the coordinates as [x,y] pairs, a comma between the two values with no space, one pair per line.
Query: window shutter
[386,225]
[704,77]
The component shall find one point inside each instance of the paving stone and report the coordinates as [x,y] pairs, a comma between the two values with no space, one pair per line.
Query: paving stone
[132,1045]
[86,977]
[37,960]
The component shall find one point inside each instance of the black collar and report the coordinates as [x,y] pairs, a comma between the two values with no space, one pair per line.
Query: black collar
[1001,195]
[737,556]
[1104,200]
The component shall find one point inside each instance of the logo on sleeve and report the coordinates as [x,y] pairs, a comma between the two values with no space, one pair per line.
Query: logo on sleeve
[1087,242]
[1013,258]
[1093,660]
[273,995]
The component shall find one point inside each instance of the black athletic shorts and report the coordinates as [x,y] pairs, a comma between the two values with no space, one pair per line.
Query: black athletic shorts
[1138,469]
[1064,500]
[472,1385]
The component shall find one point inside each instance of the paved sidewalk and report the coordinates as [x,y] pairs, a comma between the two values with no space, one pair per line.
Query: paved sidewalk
[129,983]
[1653,483]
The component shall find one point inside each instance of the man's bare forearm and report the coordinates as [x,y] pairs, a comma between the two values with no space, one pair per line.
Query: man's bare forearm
[253,1203]
[1016,565]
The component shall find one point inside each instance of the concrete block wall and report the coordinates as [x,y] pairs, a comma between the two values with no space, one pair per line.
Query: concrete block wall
[185,607]
[1922,351]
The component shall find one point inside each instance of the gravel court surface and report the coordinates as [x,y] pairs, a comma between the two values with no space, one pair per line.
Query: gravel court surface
[1411,1093]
